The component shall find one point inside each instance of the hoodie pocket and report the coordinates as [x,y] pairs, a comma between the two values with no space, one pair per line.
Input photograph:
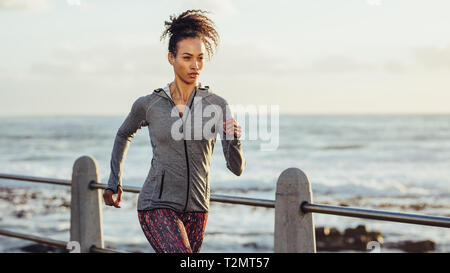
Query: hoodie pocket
[161,187]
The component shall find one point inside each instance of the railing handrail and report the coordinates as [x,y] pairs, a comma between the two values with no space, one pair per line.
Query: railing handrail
[94,185]
[213,197]
[419,219]
[50,241]
[56,181]
[33,238]
[408,218]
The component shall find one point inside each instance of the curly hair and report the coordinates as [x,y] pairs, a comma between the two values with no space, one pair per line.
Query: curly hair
[191,24]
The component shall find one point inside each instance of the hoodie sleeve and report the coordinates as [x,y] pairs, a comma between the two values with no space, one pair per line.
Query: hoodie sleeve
[232,148]
[134,121]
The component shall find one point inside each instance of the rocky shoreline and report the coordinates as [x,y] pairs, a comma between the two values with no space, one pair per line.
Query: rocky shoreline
[358,239]
[328,239]
[361,239]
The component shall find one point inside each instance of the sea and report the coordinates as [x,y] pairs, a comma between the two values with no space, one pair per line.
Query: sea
[392,162]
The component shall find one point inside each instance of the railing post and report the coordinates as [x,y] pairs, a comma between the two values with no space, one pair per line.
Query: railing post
[294,230]
[86,207]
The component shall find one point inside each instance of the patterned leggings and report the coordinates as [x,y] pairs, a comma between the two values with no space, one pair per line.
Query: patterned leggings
[172,232]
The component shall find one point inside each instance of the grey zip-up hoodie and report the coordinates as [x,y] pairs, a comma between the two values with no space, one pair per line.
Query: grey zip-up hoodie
[178,178]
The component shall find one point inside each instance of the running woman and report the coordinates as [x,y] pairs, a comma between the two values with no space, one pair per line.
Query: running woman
[174,200]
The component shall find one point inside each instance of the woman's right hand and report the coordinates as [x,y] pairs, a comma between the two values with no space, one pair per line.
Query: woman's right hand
[108,197]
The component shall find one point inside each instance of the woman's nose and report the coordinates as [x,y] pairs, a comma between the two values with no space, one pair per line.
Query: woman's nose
[196,64]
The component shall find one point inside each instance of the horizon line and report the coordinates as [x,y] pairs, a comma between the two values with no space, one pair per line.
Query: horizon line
[281,114]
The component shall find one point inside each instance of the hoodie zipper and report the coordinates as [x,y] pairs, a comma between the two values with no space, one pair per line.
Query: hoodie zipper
[185,149]
[187,158]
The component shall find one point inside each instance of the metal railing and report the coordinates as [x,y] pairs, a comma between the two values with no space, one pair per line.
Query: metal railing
[378,215]
[293,200]
[37,239]
[213,197]
[37,179]
[49,241]
[305,207]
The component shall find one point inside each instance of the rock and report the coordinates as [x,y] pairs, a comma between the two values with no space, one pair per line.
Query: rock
[255,245]
[411,246]
[330,239]
[64,204]
[353,232]
[22,214]
[43,248]
[251,244]
[325,232]
[357,239]
[420,206]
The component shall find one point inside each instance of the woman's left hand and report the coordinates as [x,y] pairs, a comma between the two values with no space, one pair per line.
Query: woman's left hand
[231,126]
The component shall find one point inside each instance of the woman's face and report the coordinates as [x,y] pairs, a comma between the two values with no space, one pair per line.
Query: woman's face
[188,63]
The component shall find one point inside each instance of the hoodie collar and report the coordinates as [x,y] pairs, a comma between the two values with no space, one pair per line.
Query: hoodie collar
[165,92]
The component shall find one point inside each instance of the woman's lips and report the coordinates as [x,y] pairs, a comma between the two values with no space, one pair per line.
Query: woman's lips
[193,75]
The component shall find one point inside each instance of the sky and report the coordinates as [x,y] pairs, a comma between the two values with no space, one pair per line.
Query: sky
[95,57]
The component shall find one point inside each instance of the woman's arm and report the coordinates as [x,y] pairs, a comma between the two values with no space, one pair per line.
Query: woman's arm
[132,123]
[231,144]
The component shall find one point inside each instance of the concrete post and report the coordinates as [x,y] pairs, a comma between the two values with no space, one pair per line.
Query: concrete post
[86,207]
[294,230]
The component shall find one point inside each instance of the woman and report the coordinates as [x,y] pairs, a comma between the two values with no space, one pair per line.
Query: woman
[174,200]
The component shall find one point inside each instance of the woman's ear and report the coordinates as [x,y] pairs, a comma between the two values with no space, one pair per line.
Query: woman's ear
[171,58]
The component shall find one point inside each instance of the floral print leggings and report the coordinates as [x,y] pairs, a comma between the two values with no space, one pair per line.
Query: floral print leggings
[173,232]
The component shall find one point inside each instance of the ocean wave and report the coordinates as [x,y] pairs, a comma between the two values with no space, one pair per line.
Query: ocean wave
[374,190]
[39,158]
[343,147]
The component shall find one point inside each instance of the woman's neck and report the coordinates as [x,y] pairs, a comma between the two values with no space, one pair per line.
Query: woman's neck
[182,90]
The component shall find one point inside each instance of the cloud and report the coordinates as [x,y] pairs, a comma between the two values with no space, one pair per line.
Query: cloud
[249,59]
[29,5]
[433,57]
[340,64]
[345,64]
[142,59]
[424,57]
[216,7]
[106,60]
[395,67]
[253,59]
